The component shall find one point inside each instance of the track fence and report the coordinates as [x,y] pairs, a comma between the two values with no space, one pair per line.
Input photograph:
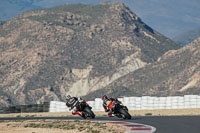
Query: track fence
[140,103]
[26,108]
[133,103]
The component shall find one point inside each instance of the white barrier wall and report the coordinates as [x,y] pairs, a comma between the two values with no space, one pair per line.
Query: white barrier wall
[57,106]
[140,103]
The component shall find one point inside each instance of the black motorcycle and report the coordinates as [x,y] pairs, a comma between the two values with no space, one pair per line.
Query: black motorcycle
[85,109]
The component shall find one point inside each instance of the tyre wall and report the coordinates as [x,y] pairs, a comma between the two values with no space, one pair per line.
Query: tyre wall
[133,103]
[140,103]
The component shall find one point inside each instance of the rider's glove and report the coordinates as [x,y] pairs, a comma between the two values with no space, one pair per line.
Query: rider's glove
[80,100]
[107,110]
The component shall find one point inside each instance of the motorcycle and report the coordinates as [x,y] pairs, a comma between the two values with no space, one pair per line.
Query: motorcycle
[86,111]
[119,110]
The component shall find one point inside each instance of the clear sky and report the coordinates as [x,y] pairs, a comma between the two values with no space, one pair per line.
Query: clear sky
[169,17]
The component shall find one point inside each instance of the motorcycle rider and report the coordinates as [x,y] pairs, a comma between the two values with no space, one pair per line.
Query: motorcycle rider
[106,102]
[72,103]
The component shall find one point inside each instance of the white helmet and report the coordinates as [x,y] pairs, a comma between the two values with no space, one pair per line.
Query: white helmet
[68,97]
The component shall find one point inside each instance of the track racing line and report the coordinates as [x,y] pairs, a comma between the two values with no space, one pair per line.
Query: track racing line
[143,124]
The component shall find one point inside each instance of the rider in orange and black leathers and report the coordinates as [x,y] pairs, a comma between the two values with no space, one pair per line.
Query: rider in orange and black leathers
[106,102]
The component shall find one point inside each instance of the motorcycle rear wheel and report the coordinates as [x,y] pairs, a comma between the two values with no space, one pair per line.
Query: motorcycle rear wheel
[90,112]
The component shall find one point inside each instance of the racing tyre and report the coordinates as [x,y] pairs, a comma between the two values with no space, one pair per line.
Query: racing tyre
[125,113]
[89,111]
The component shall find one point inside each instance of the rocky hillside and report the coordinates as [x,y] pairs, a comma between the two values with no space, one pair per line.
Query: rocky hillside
[177,72]
[73,49]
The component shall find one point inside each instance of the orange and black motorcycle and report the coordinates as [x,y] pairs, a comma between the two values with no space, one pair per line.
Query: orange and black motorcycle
[119,110]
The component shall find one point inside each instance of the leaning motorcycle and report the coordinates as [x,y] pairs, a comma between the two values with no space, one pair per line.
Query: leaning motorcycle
[119,110]
[85,109]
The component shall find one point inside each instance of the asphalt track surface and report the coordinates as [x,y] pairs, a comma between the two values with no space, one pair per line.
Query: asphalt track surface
[163,124]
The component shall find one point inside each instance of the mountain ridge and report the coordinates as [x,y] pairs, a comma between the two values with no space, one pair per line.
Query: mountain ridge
[164,16]
[175,73]
[46,54]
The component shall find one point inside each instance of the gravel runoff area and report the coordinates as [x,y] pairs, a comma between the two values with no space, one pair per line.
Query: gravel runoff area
[58,126]
[164,112]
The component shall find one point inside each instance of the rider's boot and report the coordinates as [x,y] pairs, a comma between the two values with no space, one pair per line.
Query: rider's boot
[110,114]
[75,113]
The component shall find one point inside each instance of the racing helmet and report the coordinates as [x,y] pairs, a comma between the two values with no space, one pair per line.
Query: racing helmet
[68,97]
[104,97]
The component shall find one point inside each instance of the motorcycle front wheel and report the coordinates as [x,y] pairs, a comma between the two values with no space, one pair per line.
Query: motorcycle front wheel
[125,114]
